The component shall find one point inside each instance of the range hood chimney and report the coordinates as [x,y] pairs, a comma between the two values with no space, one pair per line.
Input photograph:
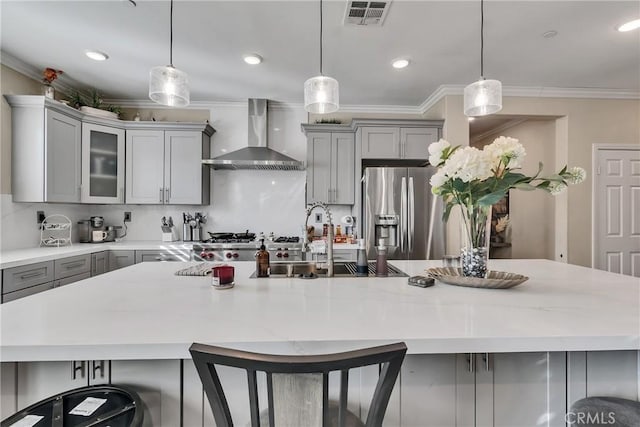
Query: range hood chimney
[257,155]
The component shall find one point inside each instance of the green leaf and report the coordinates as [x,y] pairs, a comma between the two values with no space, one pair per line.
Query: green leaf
[447,211]
[491,199]
[525,186]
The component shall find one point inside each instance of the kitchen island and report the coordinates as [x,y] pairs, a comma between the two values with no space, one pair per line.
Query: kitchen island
[564,322]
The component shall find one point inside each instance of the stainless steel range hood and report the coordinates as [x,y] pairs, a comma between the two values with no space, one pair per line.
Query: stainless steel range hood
[257,155]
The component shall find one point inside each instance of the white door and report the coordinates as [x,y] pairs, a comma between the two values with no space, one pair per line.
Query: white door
[616,201]
[63,165]
[102,164]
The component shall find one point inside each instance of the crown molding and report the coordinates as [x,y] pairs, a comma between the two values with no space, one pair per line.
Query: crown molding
[561,92]
[385,109]
[30,71]
[438,94]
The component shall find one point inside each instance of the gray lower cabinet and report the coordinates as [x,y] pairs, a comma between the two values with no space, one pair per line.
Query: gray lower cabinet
[603,373]
[72,266]
[156,381]
[19,282]
[99,263]
[120,259]
[162,255]
[36,381]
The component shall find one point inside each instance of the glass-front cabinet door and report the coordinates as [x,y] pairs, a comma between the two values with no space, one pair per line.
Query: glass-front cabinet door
[102,164]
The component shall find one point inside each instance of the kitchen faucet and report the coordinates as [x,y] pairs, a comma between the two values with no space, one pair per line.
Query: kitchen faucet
[329,234]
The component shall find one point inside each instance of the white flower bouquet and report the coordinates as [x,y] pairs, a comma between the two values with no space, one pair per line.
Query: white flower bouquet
[476,179]
[468,176]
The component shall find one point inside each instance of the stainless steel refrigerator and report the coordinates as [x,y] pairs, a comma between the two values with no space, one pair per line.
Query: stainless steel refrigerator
[398,206]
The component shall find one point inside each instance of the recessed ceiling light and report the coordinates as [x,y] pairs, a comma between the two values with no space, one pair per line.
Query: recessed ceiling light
[96,55]
[400,63]
[549,34]
[253,59]
[631,25]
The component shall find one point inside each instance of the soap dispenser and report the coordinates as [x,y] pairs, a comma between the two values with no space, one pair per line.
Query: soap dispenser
[362,265]
[262,261]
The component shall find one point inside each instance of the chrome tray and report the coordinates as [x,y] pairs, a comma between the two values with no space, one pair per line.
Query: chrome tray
[494,279]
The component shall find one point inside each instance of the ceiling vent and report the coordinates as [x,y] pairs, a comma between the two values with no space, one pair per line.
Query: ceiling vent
[370,13]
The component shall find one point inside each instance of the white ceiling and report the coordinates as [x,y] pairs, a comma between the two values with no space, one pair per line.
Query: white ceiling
[440,38]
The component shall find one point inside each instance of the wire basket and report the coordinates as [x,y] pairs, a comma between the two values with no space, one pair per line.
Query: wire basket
[55,230]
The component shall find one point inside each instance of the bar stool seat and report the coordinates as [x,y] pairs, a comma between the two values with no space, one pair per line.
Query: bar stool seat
[604,411]
[117,406]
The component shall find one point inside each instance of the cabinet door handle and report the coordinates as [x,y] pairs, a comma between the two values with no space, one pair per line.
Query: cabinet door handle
[335,195]
[167,195]
[329,195]
[77,367]
[486,358]
[121,196]
[97,366]
[471,362]
[160,197]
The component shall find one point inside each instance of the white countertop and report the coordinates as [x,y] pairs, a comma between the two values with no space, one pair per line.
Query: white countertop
[18,257]
[145,312]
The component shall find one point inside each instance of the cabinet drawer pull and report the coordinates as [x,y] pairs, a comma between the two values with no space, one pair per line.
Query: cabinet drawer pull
[74,265]
[30,275]
[167,195]
[161,193]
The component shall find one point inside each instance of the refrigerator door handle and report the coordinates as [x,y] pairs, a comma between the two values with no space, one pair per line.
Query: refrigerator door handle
[403,213]
[412,214]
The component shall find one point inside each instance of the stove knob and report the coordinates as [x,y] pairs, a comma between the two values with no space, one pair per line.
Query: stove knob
[279,255]
[235,255]
[210,255]
[228,255]
[286,254]
[203,254]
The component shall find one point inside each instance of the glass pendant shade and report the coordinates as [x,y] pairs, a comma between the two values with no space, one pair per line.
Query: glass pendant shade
[169,86]
[321,95]
[482,98]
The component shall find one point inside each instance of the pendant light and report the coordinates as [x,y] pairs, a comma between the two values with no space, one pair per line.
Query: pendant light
[168,85]
[483,97]
[321,92]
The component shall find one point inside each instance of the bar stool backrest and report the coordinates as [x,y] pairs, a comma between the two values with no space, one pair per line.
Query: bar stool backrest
[298,377]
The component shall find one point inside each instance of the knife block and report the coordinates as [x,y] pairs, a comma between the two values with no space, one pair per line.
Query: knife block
[170,237]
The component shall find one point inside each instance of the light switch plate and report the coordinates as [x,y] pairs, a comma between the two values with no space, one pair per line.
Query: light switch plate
[318,217]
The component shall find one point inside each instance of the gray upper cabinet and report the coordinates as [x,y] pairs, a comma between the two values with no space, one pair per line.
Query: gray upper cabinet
[145,166]
[411,143]
[165,166]
[102,164]
[331,167]
[414,142]
[380,143]
[46,138]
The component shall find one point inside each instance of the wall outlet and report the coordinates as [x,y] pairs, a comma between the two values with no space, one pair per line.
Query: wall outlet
[40,216]
[318,217]
[127,217]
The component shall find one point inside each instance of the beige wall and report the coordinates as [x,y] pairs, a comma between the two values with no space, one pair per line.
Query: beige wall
[586,122]
[166,114]
[532,237]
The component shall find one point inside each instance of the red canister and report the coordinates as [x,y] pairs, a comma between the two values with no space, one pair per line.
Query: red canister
[222,275]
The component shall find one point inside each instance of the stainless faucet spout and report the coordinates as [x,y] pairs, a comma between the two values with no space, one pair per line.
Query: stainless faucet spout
[324,207]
